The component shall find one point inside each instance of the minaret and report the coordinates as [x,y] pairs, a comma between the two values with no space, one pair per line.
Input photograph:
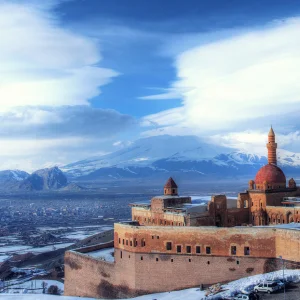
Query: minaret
[272,146]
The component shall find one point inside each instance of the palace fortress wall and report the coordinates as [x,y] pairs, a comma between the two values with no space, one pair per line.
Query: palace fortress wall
[145,266]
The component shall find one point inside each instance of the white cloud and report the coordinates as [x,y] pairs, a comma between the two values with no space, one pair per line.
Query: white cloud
[236,79]
[32,154]
[41,63]
[253,141]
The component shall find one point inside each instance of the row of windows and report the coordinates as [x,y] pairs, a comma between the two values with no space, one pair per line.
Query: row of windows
[246,250]
[172,259]
[158,222]
[179,248]
[188,249]
[133,243]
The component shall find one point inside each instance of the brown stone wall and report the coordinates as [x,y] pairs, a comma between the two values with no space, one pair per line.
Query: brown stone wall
[148,266]
[283,215]
[148,217]
[238,216]
[153,239]
[288,245]
[260,203]
[87,276]
[162,272]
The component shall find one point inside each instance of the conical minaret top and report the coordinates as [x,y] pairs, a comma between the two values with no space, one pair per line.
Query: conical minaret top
[272,146]
[271,132]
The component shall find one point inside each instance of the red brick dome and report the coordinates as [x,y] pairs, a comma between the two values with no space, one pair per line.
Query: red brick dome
[271,174]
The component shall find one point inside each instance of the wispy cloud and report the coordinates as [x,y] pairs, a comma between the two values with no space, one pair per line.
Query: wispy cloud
[41,63]
[62,122]
[240,78]
[48,74]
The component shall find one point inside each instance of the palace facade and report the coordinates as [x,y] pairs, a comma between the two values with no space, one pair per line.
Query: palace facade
[172,243]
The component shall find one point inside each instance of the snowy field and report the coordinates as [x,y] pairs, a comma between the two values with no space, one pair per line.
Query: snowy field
[76,233]
[243,284]
[105,254]
[7,251]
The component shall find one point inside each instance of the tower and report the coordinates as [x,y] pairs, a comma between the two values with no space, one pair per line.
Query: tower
[170,188]
[272,146]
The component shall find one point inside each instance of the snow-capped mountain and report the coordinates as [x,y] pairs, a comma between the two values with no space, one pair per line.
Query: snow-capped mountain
[144,152]
[164,155]
[11,178]
[12,175]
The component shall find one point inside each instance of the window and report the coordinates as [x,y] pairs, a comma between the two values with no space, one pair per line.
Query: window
[246,251]
[131,243]
[198,249]
[152,237]
[208,262]
[208,250]
[123,241]
[157,237]
[141,257]
[173,191]
[135,243]
[121,254]
[172,260]
[169,246]
[188,249]
[143,243]
[126,242]
[190,260]
[178,249]
[119,241]
[129,256]
[237,262]
[233,250]
[156,259]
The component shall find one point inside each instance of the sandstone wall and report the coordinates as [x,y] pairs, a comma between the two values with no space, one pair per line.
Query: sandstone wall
[144,265]
[261,242]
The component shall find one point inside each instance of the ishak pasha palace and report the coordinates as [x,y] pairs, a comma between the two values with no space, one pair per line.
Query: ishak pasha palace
[173,244]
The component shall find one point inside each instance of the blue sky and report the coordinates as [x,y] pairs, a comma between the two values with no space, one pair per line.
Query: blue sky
[84,77]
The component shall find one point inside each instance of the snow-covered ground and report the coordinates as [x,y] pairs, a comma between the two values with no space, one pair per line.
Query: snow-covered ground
[105,254]
[33,286]
[19,249]
[243,284]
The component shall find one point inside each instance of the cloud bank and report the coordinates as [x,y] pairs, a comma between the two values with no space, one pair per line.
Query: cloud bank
[41,63]
[48,74]
[234,81]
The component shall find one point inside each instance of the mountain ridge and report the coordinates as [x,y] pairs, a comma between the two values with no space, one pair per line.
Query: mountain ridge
[164,155]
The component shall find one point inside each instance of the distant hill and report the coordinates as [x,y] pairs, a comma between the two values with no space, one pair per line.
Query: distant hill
[10,178]
[44,179]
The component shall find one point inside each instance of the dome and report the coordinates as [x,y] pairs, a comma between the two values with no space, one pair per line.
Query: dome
[270,174]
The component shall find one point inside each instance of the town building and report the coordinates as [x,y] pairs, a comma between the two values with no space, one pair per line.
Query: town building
[172,243]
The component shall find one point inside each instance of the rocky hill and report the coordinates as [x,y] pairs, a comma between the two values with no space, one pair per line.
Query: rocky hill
[44,179]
